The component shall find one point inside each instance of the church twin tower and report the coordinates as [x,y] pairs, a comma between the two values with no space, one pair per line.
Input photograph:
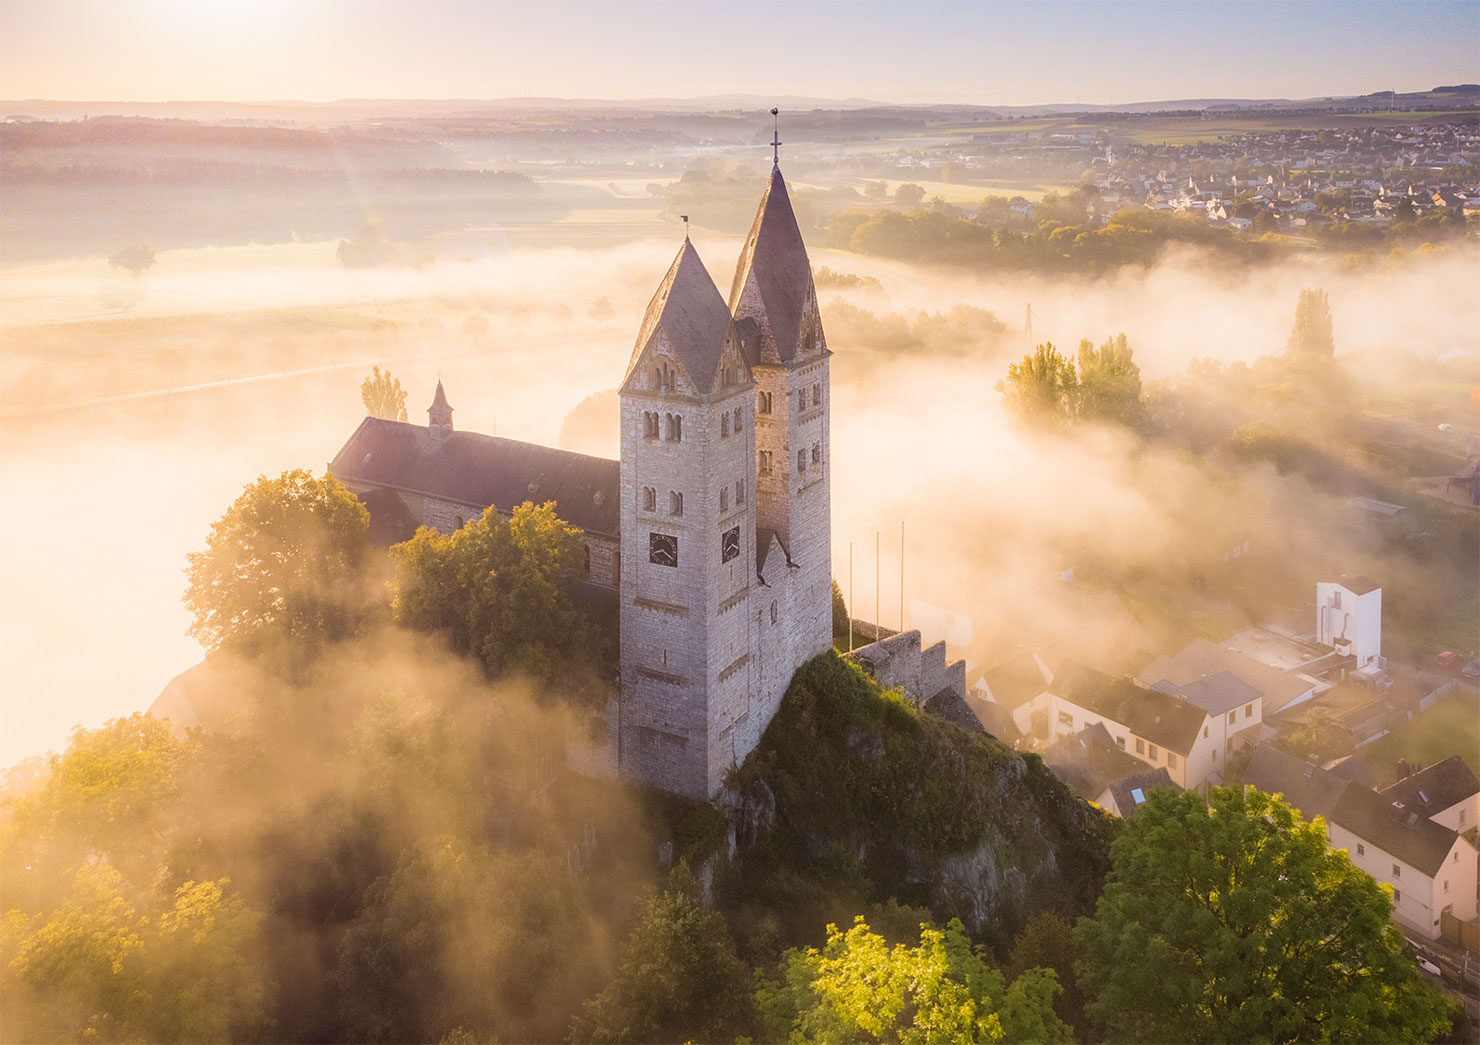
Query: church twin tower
[726,537]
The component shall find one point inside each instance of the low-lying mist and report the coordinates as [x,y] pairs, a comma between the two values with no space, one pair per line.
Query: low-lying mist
[108,497]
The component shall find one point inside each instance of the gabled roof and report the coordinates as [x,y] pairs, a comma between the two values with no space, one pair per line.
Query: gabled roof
[481,470]
[1161,718]
[1016,681]
[1359,585]
[1125,790]
[1201,657]
[689,313]
[1217,694]
[1436,788]
[1403,833]
[776,258]
[1305,786]
[1089,760]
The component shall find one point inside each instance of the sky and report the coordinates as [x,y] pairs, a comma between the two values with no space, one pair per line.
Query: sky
[986,53]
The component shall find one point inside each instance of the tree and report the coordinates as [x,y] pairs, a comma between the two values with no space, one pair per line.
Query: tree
[284,564]
[1235,922]
[1310,338]
[839,611]
[859,989]
[137,258]
[1110,382]
[1041,390]
[909,194]
[501,590]
[383,396]
[1047,942]
[680,978]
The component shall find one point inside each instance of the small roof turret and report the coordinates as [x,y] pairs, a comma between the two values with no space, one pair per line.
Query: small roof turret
[688,315]
[439,414]
[773,281]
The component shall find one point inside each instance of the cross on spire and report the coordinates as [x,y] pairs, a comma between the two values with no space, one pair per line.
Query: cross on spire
[776,138]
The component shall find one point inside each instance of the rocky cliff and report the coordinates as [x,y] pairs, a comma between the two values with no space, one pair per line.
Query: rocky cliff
[854,797]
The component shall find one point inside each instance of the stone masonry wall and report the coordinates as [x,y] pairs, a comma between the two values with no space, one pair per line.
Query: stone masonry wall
[898,662]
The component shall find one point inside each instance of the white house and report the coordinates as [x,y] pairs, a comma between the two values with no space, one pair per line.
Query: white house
[1431,867]
[1159,728]
[1349,619]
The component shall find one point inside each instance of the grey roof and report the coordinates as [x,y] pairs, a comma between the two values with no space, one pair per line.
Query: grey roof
[687,310]
[1201,657]
[995,719]
[1359,585]
[1143,782]
[1016,681]
[1404,833]
[1436,788]
[439,400]
[775,254]
[482,470]
[1161,718]
[1305,786]
[1217,694]
[1089,760]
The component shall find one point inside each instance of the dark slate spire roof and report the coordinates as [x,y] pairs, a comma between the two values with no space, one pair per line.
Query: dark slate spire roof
[775,255]
[439,401]
[689,312]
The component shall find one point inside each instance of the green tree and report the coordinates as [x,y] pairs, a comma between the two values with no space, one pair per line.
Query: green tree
[137,258]
[1311,339]
[460,935]
[1110,382]
[680,978]
[501,590]
[1041,391]
[839,611]
[859,989]
[909,194]
[383,396]
[1047,942]
[1234,922]
[284,564]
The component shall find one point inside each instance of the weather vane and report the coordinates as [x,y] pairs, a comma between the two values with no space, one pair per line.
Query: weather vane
[685,218]
[776,138]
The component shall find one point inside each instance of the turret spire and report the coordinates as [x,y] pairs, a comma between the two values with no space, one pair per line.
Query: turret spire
[439,414]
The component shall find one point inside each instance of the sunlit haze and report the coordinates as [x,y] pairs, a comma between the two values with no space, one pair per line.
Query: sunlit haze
[971,53]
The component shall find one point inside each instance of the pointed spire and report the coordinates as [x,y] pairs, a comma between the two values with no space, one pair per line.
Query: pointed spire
[688,313]
[773,280]
[439,414]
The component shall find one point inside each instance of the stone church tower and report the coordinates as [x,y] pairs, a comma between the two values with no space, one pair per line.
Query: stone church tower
[726,557]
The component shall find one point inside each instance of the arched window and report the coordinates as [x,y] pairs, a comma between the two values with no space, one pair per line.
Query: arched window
[675,503]
[763,402]
[773,613]
[737,420]
[763,462]
[675,427]
[816,453]
[649,499]
[817,394]
[739,491]
[724,500]
[650,424]
[801,461]
[724,425]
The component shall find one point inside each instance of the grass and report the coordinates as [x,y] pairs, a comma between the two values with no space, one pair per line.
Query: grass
[1450,727]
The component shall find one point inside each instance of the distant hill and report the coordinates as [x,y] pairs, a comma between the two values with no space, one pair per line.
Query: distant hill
[354,109]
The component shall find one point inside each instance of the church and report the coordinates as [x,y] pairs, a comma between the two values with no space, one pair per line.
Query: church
[712,533]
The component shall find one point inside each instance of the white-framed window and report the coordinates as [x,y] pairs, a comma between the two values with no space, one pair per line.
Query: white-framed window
[1066,719]
[1397,871]
[1171,760]
[1248,710]
[1140,746]
[1361,849]
[1397,895]
[1152,753]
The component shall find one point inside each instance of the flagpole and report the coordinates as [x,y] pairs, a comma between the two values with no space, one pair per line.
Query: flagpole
[901,575]
[878,626]
[850,596]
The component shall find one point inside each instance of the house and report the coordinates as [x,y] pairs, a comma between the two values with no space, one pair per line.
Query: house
[1402,835]
[1277,688]
[1159,728]
[1090,761]
[1349,619]
[1125,796]
[1019,687]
